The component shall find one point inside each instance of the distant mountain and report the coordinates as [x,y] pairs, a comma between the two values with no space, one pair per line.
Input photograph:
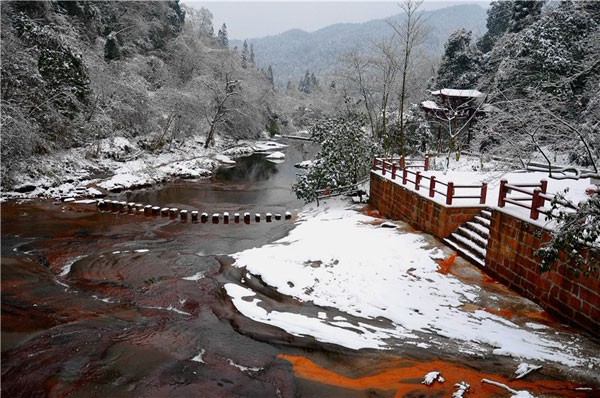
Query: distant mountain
[291,53]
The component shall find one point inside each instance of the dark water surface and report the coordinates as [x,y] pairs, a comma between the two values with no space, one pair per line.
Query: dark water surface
[96,304]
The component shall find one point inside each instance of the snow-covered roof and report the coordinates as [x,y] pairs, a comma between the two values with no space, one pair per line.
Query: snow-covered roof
[451,92]
[432,105]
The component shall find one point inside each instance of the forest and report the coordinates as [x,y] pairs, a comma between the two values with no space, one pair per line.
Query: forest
[157,73]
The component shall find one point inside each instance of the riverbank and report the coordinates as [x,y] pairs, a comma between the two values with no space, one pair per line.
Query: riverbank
[118,164]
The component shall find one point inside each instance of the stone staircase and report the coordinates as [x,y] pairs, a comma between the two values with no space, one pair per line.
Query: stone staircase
[470,240]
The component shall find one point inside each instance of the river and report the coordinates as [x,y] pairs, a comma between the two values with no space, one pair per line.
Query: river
[101,304]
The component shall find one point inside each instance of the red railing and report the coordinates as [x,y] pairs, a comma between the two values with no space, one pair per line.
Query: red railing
[533,200]
[417,179]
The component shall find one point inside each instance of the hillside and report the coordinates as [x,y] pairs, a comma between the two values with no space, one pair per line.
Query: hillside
[78,74]
[293,52]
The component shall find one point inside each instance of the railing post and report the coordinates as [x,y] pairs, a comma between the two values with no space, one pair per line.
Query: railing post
[483,197]
[394,171]
[432,186]
[450,193]
[534,204]
[543,187]
[375,164]
[502,193]
[402,162]
[426,162]
[417,180]
[383,166]
[404,176]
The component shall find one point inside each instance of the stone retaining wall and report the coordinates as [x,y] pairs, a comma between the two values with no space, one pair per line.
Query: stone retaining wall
[511,260]
[510,252]
[396,202]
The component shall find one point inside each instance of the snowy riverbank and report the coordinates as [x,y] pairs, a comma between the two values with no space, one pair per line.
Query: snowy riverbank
[117,164]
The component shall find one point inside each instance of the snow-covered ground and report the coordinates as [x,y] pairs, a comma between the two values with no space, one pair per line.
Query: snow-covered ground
[339,258]
[118,163]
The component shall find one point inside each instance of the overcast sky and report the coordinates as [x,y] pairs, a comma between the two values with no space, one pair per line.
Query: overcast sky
[252,19]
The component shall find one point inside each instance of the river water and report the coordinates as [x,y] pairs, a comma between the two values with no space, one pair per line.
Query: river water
[100,304]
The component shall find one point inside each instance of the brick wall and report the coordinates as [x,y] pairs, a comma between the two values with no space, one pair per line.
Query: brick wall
[510,252]
[511,260]
[398,203]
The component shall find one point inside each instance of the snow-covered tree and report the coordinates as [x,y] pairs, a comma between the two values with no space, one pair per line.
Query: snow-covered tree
[576,235]
[222,36]
[498,20]
[345,157]
[460,62]
[245,55]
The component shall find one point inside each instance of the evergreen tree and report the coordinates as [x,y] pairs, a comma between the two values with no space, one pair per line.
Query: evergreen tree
[314,83]
[304,85]
[252,62]
[222,36]
[523,13]
[269,76]
[460,62]
[498,20]
[245,55]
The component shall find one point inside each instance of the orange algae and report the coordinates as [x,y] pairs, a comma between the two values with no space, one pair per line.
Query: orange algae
[405,377]
[508,314]
[446,263]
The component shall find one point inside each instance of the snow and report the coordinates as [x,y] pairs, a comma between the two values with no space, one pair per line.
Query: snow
[469,171]
[432,377]
[276,155]
[525,368]
[451,92]
[127,166]
[324,261]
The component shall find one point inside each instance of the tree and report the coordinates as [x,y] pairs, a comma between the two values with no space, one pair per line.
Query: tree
[245,55]
[269,76]
[576,235]
[345,157]
[498,20]
[460,62]
[304,85]
[523,12]
[216,111]
[411,33]
[252,62]
[222,36]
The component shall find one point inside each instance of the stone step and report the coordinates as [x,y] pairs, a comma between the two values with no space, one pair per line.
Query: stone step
[465,252]
[483,221]
[468,244]
[473,235]
[481,229]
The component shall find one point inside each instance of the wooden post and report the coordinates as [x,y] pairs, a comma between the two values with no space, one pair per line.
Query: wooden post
[148,210]
[204,217]
[131,207]
[534,214]
[247,218]
[257,217]
[502,193]
[383,166]
[450,193]
[432,187]
[417,180]
[173,212]
[156,211]
[277,216]
[404,176]
[543,188]
[236,217]
[426,162]
[374,163]
[164,212]
[139,208]
[225,217]
[183,215]
[215,218]
[195,216]
[393,171]
[268,217]
[483,197]
[288,215]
